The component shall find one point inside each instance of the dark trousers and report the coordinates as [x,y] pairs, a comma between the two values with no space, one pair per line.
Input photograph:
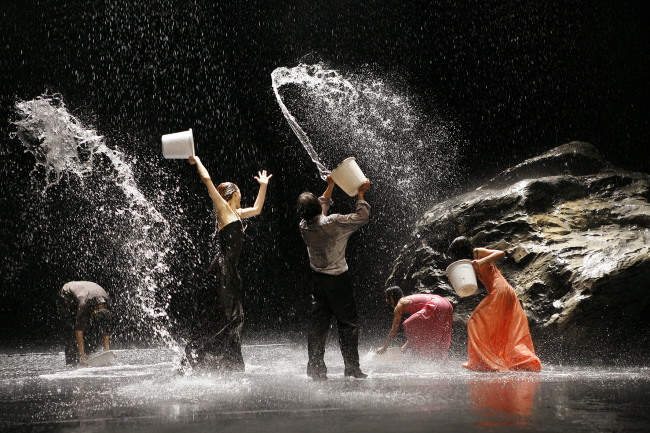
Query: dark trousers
[66,331]
[332,295]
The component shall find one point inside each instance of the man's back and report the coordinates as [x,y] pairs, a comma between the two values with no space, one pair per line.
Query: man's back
[86,291]
[83,295]
[327,236]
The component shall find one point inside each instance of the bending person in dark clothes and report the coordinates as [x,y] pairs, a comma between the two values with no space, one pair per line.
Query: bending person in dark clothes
[326,237]
[82,308]
[217,344]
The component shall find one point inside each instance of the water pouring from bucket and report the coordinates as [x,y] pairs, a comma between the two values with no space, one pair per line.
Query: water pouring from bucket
[462,277]
[179,145]
[348,176]
[139,237]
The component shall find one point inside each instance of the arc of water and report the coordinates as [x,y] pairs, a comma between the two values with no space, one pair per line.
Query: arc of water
[361,115]
[278,78]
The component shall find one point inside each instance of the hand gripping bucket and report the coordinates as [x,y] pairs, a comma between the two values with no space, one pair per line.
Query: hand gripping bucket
[179,145]
[348,176]
[462,277]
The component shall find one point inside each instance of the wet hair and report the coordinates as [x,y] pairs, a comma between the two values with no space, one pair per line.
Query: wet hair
[460,248]
[103,319]
[394,292]
[227,190]
[308,206]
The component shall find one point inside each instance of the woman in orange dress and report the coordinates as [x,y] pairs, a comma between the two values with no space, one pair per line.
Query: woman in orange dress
[499,338]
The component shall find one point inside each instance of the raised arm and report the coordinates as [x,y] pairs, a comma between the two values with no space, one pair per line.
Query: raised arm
[362,214]
[330,187]
[486,256]
[325,200]
[397,319]
[225,214]
[363,188]
[263,179]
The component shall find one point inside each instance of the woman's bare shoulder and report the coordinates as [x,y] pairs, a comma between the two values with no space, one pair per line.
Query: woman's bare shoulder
[484,252]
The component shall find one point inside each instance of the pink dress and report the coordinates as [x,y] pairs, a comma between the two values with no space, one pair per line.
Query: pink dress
[428,330]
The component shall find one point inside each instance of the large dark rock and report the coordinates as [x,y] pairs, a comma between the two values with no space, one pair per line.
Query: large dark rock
[577,236]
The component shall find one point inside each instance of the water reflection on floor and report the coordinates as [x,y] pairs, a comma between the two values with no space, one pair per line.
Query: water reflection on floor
[144,392]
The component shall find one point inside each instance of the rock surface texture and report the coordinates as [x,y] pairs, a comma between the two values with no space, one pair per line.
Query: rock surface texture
[576,232]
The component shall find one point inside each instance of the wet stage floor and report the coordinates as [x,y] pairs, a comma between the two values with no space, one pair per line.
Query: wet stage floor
[143,392]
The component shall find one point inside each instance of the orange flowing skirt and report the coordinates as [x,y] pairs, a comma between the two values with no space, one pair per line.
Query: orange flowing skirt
[499,338]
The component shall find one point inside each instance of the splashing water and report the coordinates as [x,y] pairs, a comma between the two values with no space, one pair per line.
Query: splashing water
[412,158]
[280,77]
[63,147]
[58,141]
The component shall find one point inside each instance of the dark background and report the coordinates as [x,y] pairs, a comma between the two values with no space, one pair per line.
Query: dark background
[516,78]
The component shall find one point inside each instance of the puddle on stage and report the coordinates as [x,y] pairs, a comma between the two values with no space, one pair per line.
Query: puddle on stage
[144,392]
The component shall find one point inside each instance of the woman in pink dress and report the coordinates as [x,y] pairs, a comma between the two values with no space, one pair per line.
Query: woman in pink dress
[428,329]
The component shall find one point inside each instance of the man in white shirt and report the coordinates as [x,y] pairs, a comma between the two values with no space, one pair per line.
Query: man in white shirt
[326,237]
[78,303]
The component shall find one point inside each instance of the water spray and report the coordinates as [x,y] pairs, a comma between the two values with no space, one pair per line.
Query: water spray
[63,147]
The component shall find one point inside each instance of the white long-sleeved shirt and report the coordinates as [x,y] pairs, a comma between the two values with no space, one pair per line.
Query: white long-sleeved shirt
[327,236]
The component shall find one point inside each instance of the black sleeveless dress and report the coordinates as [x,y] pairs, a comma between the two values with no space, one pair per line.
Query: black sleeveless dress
[217,343]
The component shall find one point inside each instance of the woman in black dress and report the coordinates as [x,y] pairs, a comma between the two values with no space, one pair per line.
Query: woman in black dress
[217,344]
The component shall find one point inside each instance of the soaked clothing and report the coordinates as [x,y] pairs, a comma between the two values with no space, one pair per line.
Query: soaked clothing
[499,338]
[327,236]
[80,298]
[75,303]
[418,301]
[217,342]
[332,295]
[428,329]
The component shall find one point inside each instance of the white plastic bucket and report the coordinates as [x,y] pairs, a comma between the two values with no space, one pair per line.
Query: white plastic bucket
[462,277]
[348,176]
[103,359]
[179,145]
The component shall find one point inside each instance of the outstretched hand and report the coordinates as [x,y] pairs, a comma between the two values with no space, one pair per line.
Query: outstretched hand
[329,180]
[262,177]
[194,159]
